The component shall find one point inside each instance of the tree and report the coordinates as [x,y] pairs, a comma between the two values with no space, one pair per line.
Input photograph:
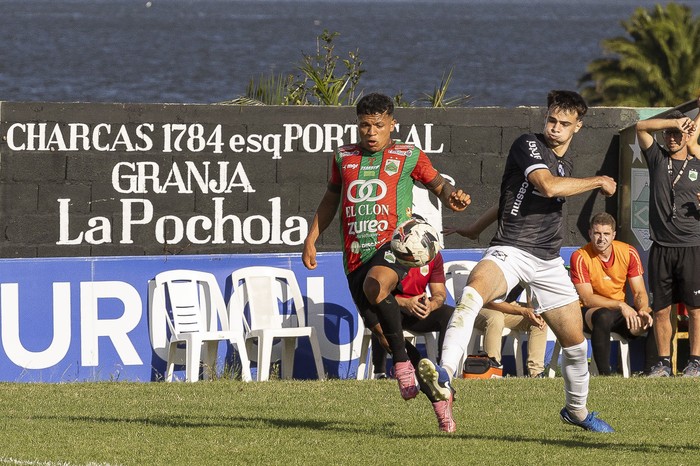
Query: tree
[658,65]
[322,83]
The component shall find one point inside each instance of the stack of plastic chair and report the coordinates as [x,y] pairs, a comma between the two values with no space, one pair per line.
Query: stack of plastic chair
[195,311]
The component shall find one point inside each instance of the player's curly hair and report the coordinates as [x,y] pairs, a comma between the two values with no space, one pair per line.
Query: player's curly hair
[374,103]
[568,101]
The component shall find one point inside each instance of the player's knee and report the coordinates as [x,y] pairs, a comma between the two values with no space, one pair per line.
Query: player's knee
[576,353]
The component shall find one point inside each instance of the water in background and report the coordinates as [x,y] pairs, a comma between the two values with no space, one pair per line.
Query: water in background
[504,53]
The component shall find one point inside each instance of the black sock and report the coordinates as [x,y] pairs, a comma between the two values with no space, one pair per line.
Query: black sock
[665,360]
[389,313]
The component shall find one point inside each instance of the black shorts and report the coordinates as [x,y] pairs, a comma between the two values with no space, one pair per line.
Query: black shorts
[673,276]
[356,280]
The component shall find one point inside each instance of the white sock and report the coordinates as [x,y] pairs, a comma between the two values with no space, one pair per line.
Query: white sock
[459,330]
[574,369]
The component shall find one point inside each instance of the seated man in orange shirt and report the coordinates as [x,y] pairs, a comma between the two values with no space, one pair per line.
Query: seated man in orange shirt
[599,271]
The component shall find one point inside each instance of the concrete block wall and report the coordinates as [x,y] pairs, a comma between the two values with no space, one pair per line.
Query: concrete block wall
[277,162]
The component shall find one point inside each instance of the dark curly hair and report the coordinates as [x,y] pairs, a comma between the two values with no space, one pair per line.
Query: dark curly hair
[374,103]
[568,101]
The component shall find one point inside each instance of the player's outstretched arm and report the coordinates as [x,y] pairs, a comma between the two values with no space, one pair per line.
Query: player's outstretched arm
[557,186]
[324,215]
[455,199]
[474,230]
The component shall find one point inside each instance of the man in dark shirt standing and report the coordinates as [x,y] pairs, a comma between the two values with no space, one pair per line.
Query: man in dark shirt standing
[674,224]
[525,250]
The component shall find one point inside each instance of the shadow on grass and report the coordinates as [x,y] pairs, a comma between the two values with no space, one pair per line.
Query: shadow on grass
[591,440]
[596,441]
[247,422]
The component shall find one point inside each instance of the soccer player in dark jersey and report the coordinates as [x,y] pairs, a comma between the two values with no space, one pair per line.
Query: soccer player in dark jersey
[525,250]
[372,183]
[674,224]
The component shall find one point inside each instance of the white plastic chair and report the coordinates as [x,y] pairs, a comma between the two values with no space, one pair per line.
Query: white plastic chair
[194,308]
[456,276]
[261,289]
[593,369]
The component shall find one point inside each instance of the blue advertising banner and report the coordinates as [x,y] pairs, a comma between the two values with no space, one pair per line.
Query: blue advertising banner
[88,319]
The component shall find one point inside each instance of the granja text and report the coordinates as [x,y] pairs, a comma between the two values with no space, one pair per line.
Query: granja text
[193,138]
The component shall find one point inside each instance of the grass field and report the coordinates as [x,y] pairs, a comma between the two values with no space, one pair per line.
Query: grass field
[508,421]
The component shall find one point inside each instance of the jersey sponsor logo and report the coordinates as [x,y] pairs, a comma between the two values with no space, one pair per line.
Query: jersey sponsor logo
[391,166]
[364,190]
[405,151]
[351,166]
[349,151]
[366,209]
[534,151]
[367,226]
[519,198]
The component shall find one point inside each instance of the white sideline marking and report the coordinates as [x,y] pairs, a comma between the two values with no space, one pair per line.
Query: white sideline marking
[6,460]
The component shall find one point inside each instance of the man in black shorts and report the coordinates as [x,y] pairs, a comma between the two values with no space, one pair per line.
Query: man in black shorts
[372,183]
[526,250]
[674,224]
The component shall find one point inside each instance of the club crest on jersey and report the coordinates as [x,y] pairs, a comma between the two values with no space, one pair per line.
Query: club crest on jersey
[389,257]
[560,169]
[693,175]
[391,166]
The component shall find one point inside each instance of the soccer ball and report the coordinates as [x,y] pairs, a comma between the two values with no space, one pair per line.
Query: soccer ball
[415,242]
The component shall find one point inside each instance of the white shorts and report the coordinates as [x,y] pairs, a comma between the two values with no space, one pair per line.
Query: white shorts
[547,281]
